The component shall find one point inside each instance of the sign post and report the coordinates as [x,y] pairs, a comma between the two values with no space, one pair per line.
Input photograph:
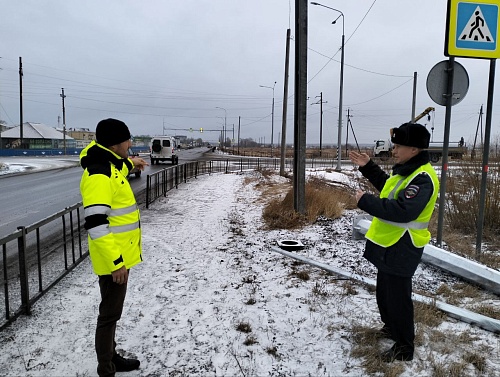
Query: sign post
[472,32]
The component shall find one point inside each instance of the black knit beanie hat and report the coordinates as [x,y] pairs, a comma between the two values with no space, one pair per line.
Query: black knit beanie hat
[411,135]
[111,132]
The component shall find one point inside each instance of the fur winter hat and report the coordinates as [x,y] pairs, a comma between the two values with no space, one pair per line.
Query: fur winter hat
[411,135]
[111,132]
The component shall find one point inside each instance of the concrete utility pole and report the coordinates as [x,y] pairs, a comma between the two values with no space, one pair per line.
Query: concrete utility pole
[21,101]
[285,104]
[321,122]
[64,120]
[414,99]
[239,129]
[300,107]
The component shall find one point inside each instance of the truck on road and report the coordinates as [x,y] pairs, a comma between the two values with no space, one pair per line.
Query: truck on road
[383,148]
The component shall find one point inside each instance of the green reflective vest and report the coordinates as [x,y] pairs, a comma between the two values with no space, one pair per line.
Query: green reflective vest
[387,233]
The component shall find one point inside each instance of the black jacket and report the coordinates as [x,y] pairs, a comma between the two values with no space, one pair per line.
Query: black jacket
[403,257]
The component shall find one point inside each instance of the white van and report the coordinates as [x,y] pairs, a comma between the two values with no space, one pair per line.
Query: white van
[163,149]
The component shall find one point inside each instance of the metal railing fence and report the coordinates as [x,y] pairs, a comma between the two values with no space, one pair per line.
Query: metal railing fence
[159,183]
[31,266]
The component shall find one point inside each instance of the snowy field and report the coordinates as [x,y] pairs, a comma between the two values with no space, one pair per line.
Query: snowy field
[209,275]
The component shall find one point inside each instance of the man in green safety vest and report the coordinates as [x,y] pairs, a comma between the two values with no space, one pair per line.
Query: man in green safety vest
[112,221]
[398,232]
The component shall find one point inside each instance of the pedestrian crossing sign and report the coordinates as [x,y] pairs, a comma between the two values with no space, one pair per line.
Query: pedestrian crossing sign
[472,29]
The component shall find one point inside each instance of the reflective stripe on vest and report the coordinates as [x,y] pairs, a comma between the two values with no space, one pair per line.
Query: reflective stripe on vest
[123,211]
[392,194]
[410,225]
[99,231]
[96,210]
[124,228]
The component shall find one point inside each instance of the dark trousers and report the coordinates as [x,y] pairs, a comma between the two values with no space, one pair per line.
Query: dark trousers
[110,311]
[396,308]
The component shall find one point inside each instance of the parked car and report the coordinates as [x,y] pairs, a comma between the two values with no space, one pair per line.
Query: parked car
[163,148]
[137,172]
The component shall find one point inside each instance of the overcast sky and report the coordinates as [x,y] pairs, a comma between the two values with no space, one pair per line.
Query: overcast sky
[165,67]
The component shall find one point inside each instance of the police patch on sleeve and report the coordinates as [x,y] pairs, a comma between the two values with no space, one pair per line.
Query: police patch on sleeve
[411,191]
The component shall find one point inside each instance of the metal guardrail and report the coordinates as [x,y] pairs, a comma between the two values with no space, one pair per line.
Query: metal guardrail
[464,315]
[30,268]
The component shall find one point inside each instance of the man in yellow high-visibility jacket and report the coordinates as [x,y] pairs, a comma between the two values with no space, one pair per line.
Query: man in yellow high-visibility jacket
[398,232]
[114,235]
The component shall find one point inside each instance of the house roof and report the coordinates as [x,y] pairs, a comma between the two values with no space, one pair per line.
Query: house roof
[33,130]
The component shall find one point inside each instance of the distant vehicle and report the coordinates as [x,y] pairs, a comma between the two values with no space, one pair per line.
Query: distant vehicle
[137,172]
[383,149]
[163,149]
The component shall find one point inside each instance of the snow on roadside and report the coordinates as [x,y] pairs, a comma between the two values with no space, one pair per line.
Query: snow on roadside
[11,165]
[207,269]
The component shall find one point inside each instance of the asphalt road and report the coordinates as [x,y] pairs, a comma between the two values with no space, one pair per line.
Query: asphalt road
[32,196]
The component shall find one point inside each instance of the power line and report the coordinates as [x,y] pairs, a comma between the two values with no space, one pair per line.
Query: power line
[373,99]
[348,39]
[359,69]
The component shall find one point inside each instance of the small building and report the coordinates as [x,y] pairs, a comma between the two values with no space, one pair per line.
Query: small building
[35,136]
[82,136]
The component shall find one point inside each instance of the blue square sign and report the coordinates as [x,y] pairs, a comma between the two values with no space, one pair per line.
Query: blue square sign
[477,26]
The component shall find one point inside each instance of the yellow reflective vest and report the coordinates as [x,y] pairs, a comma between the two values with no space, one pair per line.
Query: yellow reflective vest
[386,233]
[111,214]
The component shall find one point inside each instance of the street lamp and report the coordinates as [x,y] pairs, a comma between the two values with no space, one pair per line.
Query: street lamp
[225,118]
[339,141]
[272,116]
[221,132]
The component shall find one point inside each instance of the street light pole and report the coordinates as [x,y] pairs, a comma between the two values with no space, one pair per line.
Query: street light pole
[225,119]
[272,116]
[339,141]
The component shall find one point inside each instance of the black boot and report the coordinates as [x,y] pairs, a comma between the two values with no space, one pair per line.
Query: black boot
[396,353]
[125,365]
[384,332]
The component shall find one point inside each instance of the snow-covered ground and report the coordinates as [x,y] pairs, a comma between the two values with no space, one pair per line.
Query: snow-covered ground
[208,273]
[12,165]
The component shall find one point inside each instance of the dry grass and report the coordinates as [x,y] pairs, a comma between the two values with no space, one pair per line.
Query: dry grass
[250,340]
[428,315]
[320,289]
[321,199]
[273,351]
[367,340]
[488,311]
[244,327]
[366,346]
[251,301]
[457,293]
[462,209]
[301,274]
